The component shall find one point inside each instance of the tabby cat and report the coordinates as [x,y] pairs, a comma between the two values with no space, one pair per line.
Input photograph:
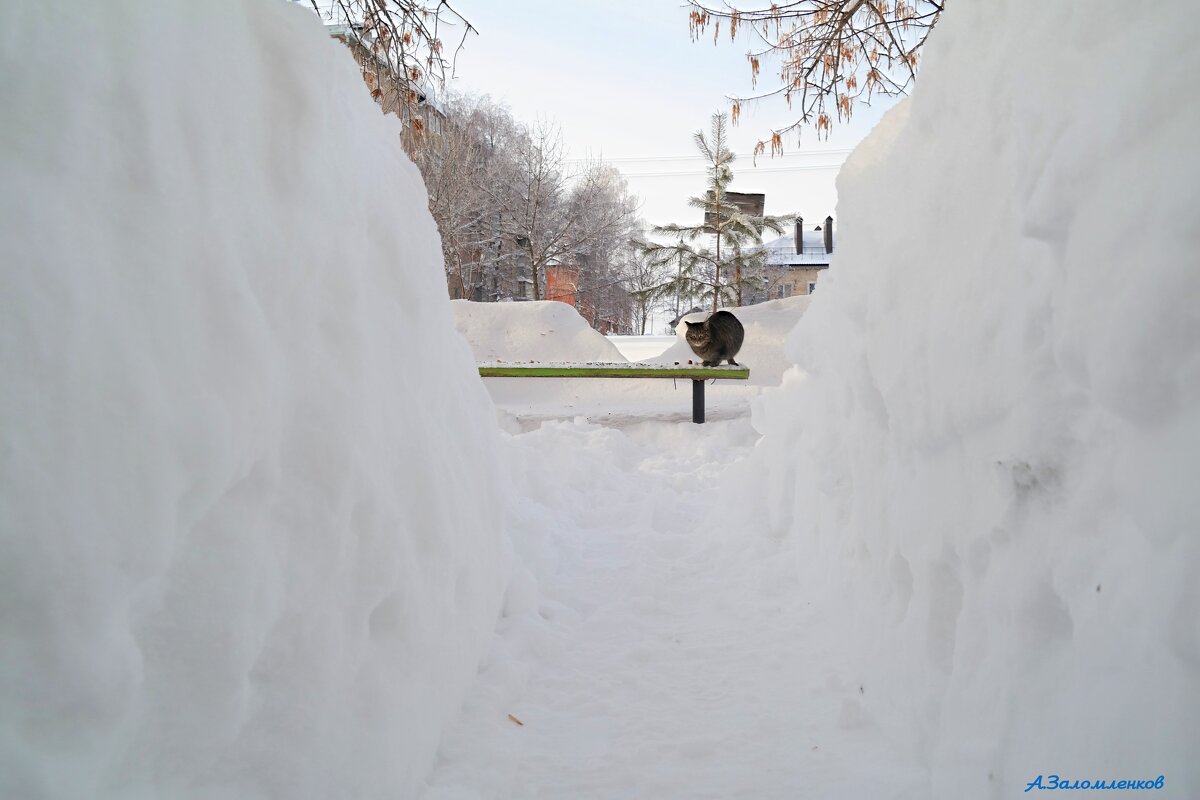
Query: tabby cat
[718,337]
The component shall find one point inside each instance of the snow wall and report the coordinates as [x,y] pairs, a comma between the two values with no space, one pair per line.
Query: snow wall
[247,471]
[986,465]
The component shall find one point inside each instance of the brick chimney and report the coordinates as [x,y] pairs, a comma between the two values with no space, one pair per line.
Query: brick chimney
[799,236]
[829,234]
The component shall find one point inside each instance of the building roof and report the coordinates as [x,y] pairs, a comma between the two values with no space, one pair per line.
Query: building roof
[781,251]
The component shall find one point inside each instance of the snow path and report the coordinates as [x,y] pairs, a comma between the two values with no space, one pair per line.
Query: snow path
[650,654]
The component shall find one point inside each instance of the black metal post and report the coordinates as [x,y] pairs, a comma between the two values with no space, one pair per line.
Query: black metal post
[698,400]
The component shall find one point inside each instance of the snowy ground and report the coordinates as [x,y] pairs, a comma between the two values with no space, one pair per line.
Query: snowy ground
[651,653]
[655,642]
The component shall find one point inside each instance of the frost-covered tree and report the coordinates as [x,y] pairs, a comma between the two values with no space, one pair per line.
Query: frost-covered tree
[718,273]
[648,284]
[469,173]
[831,54]
[507,204]
[560,217]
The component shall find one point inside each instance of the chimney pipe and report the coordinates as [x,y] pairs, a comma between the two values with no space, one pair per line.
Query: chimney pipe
[829,234]
[799,235]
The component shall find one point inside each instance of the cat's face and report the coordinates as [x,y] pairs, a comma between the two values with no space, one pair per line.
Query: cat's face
[696,332]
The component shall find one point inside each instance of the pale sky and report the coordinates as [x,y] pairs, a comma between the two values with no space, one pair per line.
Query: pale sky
[625,82]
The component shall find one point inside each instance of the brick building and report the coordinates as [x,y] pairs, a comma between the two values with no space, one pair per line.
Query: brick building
[608,307]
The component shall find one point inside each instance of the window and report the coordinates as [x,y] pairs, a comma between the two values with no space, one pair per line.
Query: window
[812,286]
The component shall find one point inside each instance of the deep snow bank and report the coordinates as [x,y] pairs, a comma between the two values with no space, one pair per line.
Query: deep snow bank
[987,466]
[247,474]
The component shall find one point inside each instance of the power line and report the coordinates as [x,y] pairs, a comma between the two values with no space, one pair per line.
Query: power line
[624,159]
[744,173]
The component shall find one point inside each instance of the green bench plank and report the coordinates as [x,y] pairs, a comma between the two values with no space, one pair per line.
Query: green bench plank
[696,373]
[614,371]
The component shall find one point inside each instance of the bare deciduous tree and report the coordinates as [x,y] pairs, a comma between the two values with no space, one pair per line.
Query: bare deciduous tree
[468,170]
[507,206]
[832,54]
[648,283]
[558,217]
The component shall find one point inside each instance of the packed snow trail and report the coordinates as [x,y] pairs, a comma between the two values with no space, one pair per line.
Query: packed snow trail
[649,652]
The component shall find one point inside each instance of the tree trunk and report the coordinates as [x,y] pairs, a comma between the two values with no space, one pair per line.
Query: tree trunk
[717,266]
[737,283]
[678,287]
[533,273]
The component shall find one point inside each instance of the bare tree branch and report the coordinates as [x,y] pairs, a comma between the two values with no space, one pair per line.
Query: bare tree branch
[832,54]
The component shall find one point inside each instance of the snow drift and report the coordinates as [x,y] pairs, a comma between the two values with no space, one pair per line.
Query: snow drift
[245,465]
[986,467]
[542,330]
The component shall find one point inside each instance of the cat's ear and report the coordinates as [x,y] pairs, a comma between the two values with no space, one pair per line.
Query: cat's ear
[690,324]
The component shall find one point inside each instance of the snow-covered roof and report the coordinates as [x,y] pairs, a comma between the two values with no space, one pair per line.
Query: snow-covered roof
[782,250]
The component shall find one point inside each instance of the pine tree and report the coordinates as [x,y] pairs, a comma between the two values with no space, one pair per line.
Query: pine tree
[734,234]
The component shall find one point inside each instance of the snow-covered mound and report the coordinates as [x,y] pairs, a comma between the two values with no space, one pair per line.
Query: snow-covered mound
[247,472]
[550,332]
[543,330]
[767,325]
[987,466]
